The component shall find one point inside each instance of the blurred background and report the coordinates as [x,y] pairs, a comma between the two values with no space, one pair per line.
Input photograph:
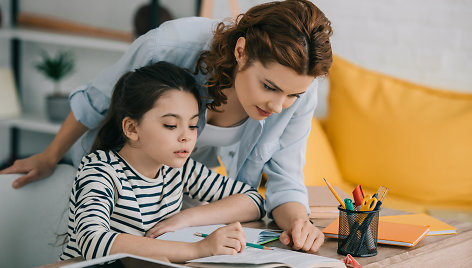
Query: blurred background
[428,42]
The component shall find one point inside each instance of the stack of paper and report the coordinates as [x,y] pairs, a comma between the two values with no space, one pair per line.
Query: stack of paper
[322,202]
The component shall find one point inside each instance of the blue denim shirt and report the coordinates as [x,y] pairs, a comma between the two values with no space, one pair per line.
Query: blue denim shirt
[276,145]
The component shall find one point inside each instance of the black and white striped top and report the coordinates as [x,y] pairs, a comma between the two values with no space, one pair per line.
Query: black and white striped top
[109,197]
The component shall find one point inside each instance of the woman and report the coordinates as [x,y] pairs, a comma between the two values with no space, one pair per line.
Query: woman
[259,76]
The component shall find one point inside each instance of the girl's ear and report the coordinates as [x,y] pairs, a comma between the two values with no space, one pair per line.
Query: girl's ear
[130,128]
[239,51]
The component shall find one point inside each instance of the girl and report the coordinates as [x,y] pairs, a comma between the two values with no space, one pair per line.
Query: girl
[259,75]
[140,169]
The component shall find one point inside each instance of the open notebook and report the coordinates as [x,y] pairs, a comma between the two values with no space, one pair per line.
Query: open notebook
[253,235]
[252,257]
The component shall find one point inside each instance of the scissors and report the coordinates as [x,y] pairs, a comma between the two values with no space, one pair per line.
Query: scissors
[368,203]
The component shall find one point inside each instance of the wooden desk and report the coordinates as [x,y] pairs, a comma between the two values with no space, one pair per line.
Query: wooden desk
[431,251]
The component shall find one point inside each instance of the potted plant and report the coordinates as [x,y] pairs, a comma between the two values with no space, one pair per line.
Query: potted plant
[55,68]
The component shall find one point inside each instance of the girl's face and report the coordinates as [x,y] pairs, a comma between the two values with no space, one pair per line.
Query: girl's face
[264,90]
[167,133]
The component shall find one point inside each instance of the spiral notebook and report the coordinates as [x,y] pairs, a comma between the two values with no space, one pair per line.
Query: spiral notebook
[253,235]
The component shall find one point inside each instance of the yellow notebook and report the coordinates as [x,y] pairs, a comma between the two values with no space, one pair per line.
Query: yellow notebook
[389,233]
[437,227]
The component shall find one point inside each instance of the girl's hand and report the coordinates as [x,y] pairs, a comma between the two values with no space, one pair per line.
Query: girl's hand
[36,167]
[171,224]
[227,240]
[303,235]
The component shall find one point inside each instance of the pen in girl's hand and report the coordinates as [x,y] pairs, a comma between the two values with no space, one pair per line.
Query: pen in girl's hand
[247,244]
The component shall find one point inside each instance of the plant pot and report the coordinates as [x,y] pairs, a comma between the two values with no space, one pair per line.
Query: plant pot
[57,107]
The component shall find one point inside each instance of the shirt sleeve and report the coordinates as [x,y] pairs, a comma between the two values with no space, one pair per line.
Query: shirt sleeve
[90,103]
[94,196]
[205,185]
[284,169]
[178,41]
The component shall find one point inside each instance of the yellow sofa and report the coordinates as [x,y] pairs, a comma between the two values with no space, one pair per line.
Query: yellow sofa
[380,130]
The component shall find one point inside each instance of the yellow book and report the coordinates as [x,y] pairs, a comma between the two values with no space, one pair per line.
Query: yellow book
[437,227]
[398,234]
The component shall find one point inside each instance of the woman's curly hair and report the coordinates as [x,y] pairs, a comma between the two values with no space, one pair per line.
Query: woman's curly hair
[293,33]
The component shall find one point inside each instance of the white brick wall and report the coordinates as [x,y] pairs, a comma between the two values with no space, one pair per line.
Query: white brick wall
[428,42]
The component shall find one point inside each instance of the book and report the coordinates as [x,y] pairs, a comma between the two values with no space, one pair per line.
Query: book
[277,257]
[9,102]
[322,202]
[253,235]
[390,233]
[437,227]
[122,260]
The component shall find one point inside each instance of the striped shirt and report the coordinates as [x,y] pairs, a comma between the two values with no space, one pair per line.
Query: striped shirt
[109,197]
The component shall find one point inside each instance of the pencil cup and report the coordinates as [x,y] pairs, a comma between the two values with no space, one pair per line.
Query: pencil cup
[358,232]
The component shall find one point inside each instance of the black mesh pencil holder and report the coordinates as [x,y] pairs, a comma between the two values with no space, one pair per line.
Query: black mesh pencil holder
[358,232]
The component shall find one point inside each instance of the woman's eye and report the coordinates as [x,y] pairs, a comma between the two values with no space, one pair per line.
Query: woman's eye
[193,127]
[295,96]
[170,126]
[268,87]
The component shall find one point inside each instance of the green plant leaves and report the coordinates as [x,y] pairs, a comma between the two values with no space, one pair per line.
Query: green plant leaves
[56,67]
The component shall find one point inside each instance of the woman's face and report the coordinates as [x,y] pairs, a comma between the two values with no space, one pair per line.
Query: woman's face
[264,90]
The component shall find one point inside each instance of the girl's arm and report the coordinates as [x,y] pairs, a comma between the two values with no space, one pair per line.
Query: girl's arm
[41,165]
[236,201]
[227,240]
[93,198]
[238,207]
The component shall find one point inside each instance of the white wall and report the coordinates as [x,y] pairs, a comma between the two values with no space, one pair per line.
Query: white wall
[424,41]
[428,42]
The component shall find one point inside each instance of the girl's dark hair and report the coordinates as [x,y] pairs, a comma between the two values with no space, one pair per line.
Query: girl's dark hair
[134,94]
[293,33]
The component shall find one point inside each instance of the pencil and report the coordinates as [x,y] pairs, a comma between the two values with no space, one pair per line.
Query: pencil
[247,244]
[335,194]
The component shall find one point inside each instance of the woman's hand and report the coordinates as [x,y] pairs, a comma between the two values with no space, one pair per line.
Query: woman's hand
[227,240]
[36,167]
[303,235]
[171,224]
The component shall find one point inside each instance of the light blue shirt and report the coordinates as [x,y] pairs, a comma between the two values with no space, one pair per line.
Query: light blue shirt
[276,145]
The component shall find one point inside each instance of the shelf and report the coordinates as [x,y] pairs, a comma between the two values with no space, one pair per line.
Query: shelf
[64,39]
[33,122]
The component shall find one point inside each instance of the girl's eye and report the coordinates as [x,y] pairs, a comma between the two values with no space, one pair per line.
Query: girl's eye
[193,127]
[268,87]
[170,126]
[295,96]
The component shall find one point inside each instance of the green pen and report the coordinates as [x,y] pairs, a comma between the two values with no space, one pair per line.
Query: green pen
[247,244]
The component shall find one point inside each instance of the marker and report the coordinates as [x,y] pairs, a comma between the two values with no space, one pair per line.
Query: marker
[247,244]
[348,203]
[358,195]
[335,194]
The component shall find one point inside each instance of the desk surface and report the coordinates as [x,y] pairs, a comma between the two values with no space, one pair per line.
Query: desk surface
[431,251]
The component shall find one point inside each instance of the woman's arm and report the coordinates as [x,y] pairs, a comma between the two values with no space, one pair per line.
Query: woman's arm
[41,165]
[286,195]
[299,232]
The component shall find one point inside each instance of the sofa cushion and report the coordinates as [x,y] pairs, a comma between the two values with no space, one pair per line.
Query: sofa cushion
[413,139]
[320,161]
